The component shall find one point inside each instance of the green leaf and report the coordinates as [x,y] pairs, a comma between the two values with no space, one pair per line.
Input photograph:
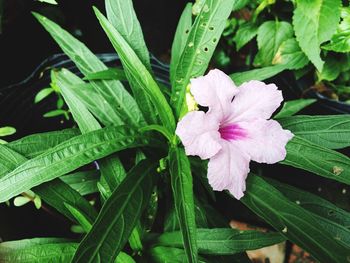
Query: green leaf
[108,74]
[44,250]
[330,131]
[161,254]
[239,4]
[290,55]
[52,2]
[331,69]
[55,113]
[43,94]
[340,41]
[86,122]
[112,91]
[201,43]
[134,66]
[6,131]
[122,17]
[271,35]
[181,183]
[246,32]
[333,219]
[180,39]
[35,144]
[314,23]
[313,158]
[256,74]
[83,221]
[67,157]
[223,241]
[292,107]
[83,182]
[118,216]
[37,250]
[292,221]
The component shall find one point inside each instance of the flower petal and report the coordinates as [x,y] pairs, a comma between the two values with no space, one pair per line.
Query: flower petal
[214,90]
[199,134]
[266,140]
[255,100]
[228,169]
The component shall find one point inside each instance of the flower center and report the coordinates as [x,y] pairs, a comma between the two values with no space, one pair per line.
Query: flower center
[232,132]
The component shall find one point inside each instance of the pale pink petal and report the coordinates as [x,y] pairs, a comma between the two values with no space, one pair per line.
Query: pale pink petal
[199,134]
[214,90]
[228,169]
[265,141]
[255,100]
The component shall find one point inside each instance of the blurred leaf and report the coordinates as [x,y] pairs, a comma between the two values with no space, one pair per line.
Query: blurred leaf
[246,32]
[314,23]
[134,66]
[67,157]
[271,34]
[330,131]
[340,41]
[292,107]
[180,39]
[334,220]
[118,216]
[313,158]
[55,113]
[292,221]
[108,74]
[52,2]
[201,43]
[123,19]
[290,55]
[222,241]
[83,182]
[35,144]
[6,131]
[42,94]
[239,4]
[182,186]
[331,69]
[112,91]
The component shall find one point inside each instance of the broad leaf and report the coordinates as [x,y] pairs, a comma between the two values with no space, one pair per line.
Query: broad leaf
[83,182]
[246,32]
[314,23]
[118,216]
[67,157]
[223,241]
[180,39]
[292,221]
[139,72]
[332,131]
[108,74]
[182,186]
[201,43]
[271,35]
[293,106]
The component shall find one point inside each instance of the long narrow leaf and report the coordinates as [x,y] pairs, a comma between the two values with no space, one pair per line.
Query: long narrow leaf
[118,216]
[181,183]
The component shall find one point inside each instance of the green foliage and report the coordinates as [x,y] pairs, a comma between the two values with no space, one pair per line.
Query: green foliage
[314,23]
[182,186]
[118,216]
[293,106]
[246,32]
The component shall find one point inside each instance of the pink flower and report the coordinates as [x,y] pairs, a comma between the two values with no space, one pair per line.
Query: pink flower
[235,129]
